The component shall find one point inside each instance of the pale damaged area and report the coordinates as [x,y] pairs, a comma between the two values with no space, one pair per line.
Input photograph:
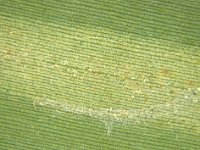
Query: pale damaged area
[175,109]
[116,78]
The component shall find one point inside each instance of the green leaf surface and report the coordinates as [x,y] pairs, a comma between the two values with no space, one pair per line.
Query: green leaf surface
[99,74]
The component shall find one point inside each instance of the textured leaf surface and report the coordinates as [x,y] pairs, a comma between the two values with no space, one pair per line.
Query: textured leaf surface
[99,74]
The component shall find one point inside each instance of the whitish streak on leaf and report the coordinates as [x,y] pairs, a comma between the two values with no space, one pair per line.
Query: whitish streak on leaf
[174,109]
